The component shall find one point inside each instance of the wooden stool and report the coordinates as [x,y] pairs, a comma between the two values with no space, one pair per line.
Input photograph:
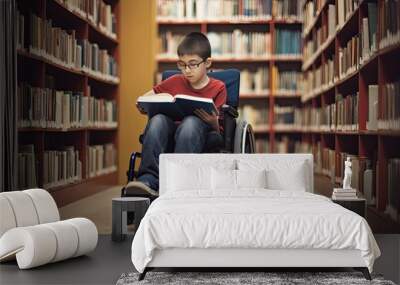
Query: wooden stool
[120,208]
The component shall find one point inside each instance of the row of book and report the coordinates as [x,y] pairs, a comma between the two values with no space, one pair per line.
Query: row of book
[349,58]
[323,34]
[101,159]
[254,81]
[389,23]
[97,12]
[311,9]
[363,178]
[64,48]
[262,145]
[63,166]
[344,10]
[368,32]
[286,81]
[228,9]
[320,78]
[239,44]
[283,144]
[255,115]
[288,9]
[284,36]
[97,61]
[389,117]
[51,108]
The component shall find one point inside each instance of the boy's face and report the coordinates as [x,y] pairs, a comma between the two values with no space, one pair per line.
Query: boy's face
[193,67]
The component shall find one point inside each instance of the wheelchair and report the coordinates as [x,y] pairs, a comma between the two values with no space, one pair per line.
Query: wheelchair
[238,135]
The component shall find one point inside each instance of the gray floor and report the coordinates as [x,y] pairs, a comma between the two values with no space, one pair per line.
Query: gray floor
[103,266]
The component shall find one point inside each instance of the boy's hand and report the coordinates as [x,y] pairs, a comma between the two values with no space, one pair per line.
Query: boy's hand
[142,111]
[211,119]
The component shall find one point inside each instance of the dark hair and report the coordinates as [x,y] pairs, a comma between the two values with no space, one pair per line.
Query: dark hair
[195,43]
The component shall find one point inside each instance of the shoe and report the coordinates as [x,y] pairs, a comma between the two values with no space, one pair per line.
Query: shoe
[140,189]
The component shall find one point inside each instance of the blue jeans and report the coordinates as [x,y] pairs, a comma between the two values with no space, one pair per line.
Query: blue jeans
[162,135]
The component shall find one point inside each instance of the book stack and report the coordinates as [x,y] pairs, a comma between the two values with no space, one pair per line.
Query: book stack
[255,115]
[345,9]
[389,117]
[368,32]
[61,167]
[284,36]
[101,159]
[254,81]
[344,194]
[349,57]
[27,175]
[288,9]
[347,112]
[390,23]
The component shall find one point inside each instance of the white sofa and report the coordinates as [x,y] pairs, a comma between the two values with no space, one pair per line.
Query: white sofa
[31,230]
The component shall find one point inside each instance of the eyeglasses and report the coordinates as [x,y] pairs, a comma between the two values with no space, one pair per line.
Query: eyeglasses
[182,66]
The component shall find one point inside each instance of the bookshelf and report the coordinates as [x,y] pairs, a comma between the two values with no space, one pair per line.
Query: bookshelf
[350,51]
[225,22]
[68,81]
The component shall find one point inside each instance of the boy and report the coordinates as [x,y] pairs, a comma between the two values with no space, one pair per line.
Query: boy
[163,134]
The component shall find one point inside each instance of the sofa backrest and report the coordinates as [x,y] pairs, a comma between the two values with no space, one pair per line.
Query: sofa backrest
[291,168]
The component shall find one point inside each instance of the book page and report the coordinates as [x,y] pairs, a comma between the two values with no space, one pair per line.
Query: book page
[194,98]
[159,97]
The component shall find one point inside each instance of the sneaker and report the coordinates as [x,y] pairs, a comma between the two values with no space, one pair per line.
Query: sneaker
[139,188]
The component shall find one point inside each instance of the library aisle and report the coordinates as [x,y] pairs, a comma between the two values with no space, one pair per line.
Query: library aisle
[316,76]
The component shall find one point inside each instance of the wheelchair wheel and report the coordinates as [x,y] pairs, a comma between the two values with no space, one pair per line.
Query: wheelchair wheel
[244,138]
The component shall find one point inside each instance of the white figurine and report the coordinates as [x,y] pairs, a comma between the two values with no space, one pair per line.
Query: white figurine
[347,174]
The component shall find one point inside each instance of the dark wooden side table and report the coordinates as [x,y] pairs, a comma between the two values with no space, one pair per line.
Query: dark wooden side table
[357,205]
[120,208]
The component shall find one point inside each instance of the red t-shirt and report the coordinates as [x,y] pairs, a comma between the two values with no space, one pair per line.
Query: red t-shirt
[178,84]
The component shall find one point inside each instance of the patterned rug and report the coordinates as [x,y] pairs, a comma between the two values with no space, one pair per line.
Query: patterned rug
[242,278]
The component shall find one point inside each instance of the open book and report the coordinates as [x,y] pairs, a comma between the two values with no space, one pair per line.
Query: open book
[176,107]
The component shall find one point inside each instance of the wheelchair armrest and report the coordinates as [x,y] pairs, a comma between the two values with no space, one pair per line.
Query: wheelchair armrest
[230,111]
